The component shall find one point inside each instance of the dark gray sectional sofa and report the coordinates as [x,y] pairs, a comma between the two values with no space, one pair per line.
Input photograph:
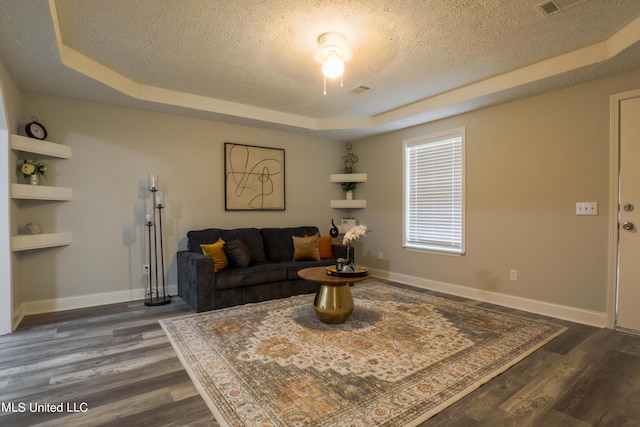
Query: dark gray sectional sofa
[271,272]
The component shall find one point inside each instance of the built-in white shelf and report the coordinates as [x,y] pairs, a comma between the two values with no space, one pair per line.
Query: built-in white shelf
[348,204]
[25,242]
[36,241]
[40,192]
[348,177]
[37,146]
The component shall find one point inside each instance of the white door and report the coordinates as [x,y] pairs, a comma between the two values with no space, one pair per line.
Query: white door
[628,313]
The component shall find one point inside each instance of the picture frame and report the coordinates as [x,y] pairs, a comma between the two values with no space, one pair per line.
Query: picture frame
[347,224]
[254,178]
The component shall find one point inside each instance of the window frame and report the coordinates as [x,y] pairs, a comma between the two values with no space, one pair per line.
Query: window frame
[435,138]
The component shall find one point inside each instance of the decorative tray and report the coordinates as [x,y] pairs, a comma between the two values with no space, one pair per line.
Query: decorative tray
[360,272]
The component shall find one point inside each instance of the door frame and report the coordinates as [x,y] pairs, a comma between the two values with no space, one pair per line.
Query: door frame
[614,201]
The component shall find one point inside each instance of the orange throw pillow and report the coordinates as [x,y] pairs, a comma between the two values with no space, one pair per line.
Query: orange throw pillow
[324,247]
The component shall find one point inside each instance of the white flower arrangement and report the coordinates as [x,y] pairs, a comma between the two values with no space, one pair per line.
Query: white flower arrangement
[32,167]
[351,235]
[354,234]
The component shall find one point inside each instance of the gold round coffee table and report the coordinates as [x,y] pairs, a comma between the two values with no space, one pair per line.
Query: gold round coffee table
[333,302]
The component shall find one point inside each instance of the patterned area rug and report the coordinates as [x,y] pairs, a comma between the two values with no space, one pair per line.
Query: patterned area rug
[402,357]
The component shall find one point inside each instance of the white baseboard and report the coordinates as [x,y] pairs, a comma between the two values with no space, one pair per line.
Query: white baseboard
[61,304]
[573,314]
[18,315]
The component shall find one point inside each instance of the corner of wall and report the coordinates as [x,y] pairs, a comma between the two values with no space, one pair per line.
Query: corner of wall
[9,106]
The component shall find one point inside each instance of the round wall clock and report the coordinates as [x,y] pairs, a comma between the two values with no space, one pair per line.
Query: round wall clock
[35,129]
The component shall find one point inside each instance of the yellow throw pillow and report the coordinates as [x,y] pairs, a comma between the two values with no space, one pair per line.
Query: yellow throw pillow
[216,251]
[305,248]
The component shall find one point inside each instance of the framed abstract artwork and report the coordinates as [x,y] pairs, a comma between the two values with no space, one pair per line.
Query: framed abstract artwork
[253,178]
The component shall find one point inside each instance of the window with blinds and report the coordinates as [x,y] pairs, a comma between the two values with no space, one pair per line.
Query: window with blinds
[434,192]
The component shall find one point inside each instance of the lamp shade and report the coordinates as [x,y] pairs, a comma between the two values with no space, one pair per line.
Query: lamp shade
[332,54]
[159,202]
[333,68]
[153,182]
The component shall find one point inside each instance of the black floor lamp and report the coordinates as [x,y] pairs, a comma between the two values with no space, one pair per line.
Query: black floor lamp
[154,294]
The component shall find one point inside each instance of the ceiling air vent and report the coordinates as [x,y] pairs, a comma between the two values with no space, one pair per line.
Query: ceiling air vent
[553,6]
[548,7]
[360,89]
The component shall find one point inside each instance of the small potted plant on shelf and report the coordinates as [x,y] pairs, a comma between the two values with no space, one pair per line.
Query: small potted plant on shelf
[32,169]
[348,188]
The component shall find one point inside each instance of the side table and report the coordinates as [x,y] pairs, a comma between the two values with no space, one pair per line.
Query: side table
[333,302]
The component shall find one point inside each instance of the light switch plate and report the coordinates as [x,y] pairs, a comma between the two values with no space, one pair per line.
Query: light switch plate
[587,208]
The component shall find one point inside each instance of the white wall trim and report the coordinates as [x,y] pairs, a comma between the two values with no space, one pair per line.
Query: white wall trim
[6,278]
[573,314]
[17,317]
[71,303]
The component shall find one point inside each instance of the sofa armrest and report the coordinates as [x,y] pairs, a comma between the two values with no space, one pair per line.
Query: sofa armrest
[196,280]
[340,251]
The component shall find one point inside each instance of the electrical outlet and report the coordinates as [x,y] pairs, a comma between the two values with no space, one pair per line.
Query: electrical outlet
[145,268]
[380,255]
[513,275]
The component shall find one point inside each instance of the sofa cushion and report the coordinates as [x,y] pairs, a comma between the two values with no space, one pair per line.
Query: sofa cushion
[306,248]
[238,253]
[215,251]
[278,243]
[252,275]
[249,236]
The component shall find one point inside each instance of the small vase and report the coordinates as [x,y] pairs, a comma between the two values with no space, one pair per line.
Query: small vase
[333,232]
[349,195]
[34,179]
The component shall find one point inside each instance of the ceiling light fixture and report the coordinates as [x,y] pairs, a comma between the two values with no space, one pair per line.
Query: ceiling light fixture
[333,54]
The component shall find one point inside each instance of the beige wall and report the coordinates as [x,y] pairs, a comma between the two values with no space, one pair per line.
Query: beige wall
[114,150]
[528,163]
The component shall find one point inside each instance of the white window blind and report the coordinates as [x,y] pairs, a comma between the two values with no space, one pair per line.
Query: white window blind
[434,192]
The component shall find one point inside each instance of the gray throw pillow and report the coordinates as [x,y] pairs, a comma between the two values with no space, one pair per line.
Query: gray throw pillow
[238,253]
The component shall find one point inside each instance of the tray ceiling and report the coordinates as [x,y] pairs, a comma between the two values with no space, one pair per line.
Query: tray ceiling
[251,62]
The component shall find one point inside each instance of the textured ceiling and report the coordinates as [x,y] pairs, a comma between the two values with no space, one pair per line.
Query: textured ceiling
[251,62]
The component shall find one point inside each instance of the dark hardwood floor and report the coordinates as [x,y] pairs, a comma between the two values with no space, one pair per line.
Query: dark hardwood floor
[113,365]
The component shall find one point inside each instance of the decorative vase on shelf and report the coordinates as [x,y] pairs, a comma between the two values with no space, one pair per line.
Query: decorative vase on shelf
[349,195]
[333,232]
[32,228]
[31,170]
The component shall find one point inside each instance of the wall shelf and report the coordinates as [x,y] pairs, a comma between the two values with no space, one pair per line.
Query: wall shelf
[25,242]
[40,192]
[36,241]
[348,204]
[36,146]
[348,177]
